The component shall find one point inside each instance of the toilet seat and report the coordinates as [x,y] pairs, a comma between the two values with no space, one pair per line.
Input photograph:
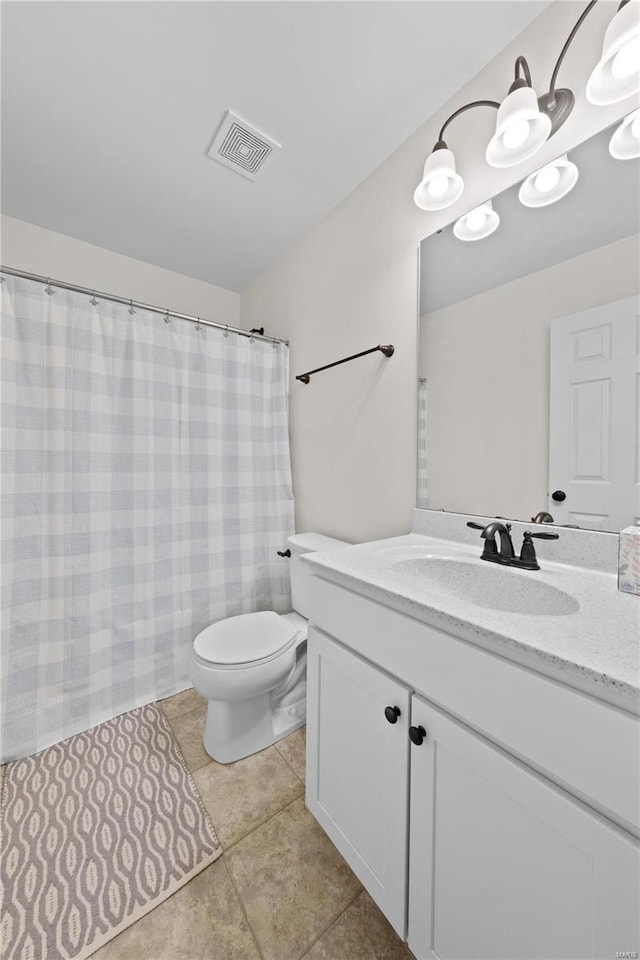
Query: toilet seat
[247,640]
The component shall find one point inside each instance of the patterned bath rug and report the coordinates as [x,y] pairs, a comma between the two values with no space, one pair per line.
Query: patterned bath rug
[95,832]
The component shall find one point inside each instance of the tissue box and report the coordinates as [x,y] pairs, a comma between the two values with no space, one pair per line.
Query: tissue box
[629,560]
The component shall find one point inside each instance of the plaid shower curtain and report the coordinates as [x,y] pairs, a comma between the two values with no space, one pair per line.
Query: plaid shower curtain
[146,487]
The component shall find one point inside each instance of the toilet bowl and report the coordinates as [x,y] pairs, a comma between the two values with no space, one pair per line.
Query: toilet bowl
[252,668]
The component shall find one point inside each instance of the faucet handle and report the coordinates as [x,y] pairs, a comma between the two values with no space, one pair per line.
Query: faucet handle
[528,558]
[475,526]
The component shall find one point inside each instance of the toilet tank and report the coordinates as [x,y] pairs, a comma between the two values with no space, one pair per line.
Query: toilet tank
[300,572]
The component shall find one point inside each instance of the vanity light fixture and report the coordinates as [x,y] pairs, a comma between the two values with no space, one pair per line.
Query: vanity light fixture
[617,73]
[625,142]
[525,121]
[550,183]
[478,223]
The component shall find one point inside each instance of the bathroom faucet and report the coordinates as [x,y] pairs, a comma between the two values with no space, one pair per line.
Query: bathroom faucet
[505,555]
[488,534]
[542,517]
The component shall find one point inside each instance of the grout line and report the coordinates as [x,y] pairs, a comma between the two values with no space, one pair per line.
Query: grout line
[262,823]
[183,713]
[332,924]
[243,908]
[290,765]
[170,721]
[193,769]
[165,700]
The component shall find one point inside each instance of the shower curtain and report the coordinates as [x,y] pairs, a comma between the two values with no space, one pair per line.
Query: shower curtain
[146,487]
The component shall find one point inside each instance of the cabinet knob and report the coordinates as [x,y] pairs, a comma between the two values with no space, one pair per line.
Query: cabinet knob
[417,735]
[392,714]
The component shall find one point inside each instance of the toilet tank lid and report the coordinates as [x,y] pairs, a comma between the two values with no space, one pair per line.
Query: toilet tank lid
[243,639]
[312,542]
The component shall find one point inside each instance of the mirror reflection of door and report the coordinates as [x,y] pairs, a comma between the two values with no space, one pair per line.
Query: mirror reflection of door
[550,296]
[594,416]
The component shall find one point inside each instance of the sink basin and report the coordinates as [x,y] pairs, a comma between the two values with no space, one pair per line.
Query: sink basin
[487,585]
[418,551]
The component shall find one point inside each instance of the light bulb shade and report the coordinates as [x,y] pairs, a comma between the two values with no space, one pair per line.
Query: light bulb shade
[477,224]
[440,185]
[604,86]
[561,173]
[625,142]
[520,107]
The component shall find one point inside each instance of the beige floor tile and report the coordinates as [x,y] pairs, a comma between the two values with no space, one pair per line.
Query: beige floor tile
[240,796]
[293,748]
[361,933]
[292,881]
[189,729]
[181,702]
[204,920]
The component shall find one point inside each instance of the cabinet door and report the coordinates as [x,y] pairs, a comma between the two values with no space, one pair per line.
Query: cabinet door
[505,865]
[357,768]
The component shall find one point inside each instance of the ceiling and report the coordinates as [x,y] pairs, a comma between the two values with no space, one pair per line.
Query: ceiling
[108,110]
[604,206]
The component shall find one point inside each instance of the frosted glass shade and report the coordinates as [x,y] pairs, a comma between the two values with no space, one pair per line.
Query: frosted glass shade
[477,224]
[617,73]
[549,184]
[440,185]
[625,142]
[521,129]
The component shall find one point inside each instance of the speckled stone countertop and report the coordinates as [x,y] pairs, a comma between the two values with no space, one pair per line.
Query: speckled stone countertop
[593,645]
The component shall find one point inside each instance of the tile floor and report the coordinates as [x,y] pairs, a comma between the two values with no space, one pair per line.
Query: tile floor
[280,891]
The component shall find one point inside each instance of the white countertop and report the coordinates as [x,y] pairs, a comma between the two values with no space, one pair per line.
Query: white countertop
[595,649]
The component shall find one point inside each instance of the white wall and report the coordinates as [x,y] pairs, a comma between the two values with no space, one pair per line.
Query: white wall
[486,360]
[35,250]
[352,283]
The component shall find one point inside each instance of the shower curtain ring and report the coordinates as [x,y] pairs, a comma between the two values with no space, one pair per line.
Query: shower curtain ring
[93,299]
[48,288]
[197,323]
[131,310]
[226,331]
[167,319]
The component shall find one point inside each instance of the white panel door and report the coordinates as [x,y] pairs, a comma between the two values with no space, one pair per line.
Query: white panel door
[357,768]
[594,420]
[503,864]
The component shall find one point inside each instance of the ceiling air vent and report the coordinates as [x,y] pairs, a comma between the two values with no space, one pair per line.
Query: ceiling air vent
[241,147]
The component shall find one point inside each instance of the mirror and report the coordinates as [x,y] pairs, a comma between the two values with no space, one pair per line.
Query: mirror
[529,389]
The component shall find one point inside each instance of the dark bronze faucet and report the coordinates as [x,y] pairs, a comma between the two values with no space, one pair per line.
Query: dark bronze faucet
[542,517]
[490,551]
[506,555]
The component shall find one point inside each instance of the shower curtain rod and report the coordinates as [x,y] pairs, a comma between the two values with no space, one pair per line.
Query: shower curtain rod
[135,303]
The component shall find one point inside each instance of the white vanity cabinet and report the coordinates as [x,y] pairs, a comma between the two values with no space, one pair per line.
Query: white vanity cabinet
[505,865]
[498,830]
[358,768]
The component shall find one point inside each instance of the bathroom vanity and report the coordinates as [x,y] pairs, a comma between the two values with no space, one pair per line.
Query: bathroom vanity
[473,747]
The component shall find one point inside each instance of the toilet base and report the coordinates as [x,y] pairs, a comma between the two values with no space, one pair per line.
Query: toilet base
[238,728]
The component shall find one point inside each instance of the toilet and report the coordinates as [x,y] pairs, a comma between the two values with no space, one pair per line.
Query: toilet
[252,668]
